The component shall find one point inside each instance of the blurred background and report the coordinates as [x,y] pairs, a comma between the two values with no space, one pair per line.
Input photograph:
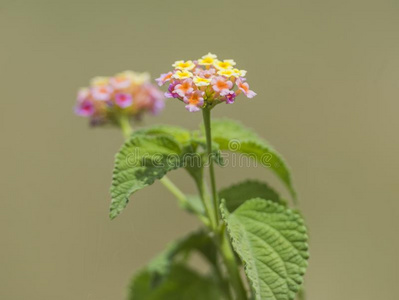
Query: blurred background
[327,78]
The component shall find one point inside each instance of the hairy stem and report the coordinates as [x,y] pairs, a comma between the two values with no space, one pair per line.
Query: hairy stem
[206,201]
[124,124]
[223,242]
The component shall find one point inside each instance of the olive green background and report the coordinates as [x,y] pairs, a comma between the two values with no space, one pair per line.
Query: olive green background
[327,78]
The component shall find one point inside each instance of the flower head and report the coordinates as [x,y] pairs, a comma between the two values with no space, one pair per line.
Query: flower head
[127,93]
[205,82]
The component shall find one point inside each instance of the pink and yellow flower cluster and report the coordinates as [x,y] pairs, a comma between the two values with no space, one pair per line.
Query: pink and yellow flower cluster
[127,93]
[205,82]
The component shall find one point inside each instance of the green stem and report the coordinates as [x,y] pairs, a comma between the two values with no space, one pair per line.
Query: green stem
[224,243]
[124,124]
[206,201]
[206,113]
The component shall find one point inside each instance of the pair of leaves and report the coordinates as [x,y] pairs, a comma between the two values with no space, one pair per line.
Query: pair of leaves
[136,167]
[271,240]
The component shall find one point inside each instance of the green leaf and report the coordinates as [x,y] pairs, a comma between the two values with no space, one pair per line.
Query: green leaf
[182,283]
[231,135]
[199,241]
[271,240]
[237,194]
[178,133]
[141,160]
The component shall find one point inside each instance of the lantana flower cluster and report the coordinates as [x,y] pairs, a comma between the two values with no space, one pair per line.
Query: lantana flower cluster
[126,94]
[205,82]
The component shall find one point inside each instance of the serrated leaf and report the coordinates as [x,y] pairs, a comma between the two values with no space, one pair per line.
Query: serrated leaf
[231,135]
[182,283]
[271,240]
[237,194]
[141,160]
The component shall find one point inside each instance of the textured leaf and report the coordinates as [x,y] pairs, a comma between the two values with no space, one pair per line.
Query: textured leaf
[141,160]
[271,240]
[231,135]
[237,194]
[182,283]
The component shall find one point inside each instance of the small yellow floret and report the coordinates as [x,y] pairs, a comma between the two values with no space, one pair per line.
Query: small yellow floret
[207,60]
[240,73]
[199,81]
[224,65]
[184,65]
[182,74]
[228,73]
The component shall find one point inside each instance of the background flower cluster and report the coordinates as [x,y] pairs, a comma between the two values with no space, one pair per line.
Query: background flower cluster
[125,94]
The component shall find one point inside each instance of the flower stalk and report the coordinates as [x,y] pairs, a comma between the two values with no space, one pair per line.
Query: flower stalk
[206,113]
[223,243]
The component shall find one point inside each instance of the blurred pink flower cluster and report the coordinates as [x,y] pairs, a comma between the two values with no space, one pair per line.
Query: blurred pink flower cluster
[126,94]
[205,82]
